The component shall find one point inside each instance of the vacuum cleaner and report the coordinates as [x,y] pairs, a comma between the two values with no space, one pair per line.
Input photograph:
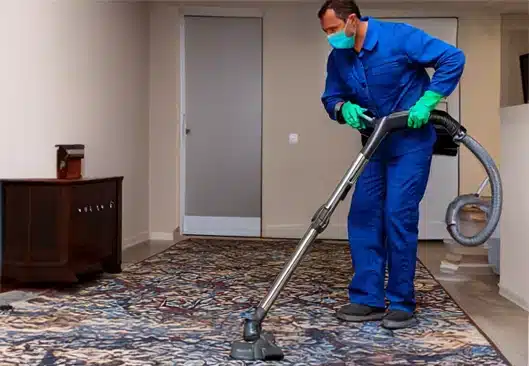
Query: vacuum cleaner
[259,346]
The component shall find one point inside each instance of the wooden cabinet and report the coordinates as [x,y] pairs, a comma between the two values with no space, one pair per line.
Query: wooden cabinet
[55,230]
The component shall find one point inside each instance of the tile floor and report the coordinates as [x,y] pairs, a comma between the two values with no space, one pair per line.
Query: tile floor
[503,322]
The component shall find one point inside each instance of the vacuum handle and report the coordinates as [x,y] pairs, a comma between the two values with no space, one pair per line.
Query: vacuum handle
[395,121]
[382,127]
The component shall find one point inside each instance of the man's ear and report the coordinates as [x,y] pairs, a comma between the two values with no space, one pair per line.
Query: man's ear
[350,25]
[352,18]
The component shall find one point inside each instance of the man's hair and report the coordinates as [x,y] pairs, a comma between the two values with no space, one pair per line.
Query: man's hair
[342,8]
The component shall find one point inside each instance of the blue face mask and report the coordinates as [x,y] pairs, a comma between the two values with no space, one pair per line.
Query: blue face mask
[340,40]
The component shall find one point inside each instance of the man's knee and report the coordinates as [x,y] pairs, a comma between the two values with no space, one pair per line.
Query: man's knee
[366,210]
[403,210]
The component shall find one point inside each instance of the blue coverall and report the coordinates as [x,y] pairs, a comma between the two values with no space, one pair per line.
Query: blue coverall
[386,76]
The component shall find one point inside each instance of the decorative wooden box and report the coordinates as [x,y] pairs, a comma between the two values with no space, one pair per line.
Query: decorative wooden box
[53,230]
[70,161]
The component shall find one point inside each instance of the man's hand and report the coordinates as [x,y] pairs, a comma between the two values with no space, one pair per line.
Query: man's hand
[352,115]
[420,112]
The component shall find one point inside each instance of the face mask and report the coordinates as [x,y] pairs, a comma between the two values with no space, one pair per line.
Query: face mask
[340,40]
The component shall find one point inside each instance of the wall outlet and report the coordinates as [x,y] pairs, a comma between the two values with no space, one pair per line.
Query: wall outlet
[293,138]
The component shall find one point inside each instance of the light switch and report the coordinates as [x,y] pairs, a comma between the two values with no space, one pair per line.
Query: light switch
[293,138]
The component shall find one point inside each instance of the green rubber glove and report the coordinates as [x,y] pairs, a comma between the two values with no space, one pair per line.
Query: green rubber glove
[420,113]
[352,114]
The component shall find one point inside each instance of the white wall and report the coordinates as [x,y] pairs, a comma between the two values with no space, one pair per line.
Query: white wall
[514,250]
[297,180]
[77,72]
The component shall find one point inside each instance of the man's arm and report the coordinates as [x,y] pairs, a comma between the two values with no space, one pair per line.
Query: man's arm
[447,61]
[335,94]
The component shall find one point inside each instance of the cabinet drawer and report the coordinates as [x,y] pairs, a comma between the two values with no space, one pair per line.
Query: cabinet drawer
[94,197]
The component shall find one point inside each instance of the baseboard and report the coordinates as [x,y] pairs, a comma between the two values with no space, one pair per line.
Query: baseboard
[162,236]
[145,237]
[338,231]
[296,231]
[222,226]
[513,297]
[135,240]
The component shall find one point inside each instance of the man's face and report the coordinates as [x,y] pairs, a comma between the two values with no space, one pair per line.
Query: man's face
[330,23]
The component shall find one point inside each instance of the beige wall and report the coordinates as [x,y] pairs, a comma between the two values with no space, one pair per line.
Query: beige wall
[515,42]
[76,72]
[163,121]
[296,180]
[480,38]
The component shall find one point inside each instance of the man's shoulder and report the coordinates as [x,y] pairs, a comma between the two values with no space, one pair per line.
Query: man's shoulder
[333,54]
[390,25]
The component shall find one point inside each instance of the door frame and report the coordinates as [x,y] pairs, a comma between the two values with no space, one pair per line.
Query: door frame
[203,11]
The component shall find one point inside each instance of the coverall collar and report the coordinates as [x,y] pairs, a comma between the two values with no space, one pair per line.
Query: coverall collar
[372,33]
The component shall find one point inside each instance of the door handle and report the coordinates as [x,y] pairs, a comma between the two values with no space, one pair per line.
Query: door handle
[188,131]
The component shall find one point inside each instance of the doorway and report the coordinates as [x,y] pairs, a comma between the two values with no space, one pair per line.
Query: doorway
[221,114]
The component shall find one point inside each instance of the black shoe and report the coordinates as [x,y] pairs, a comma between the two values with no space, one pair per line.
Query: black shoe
[399,319]
[359,313]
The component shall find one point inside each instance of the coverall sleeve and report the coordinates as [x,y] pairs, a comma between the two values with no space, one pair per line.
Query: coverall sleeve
[447,61]
[335,93]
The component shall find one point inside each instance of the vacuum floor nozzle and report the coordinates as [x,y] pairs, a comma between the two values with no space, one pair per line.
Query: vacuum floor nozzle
[262,349]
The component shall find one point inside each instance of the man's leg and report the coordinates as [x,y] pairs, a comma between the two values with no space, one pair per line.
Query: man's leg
[366,241]
[407,177]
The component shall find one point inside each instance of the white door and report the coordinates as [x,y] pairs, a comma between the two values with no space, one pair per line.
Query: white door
[221,125]
[443,185]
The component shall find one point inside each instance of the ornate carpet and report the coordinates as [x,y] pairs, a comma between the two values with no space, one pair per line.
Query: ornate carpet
[185,306]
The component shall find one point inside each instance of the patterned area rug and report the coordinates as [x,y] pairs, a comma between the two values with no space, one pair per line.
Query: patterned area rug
[185,307]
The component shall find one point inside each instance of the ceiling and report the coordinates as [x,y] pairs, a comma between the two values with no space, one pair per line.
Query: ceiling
[497,6]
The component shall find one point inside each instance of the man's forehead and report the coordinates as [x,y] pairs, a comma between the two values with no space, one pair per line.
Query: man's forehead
[330,20]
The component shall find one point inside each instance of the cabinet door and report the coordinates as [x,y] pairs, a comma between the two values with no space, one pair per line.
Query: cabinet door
[85,231]
[31,225]
[109,217]
[46,246]
[93,230]
[79,225]
[16,218]
[101,219]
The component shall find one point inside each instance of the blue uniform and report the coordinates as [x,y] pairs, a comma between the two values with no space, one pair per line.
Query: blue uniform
[386,76]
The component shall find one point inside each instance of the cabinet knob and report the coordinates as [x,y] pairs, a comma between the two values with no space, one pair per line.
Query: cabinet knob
[80,210]
[111,204]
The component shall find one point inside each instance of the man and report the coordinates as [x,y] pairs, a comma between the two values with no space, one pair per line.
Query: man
[379,67]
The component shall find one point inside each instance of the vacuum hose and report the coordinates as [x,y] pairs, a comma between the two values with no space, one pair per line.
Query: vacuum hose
[399,120]
[493,209]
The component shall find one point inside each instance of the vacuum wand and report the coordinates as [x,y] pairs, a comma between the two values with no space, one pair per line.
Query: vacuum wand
[319,222]
[262,346]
